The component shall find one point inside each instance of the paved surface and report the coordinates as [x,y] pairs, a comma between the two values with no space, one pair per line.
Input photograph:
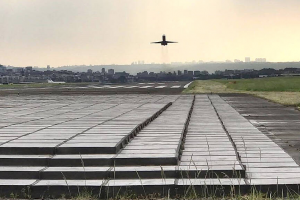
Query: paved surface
[158,141]
[280,123]
[135,88]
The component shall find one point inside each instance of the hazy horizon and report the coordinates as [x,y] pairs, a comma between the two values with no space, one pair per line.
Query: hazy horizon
[74,32]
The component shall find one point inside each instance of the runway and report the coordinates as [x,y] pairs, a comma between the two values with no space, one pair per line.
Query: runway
[102,89]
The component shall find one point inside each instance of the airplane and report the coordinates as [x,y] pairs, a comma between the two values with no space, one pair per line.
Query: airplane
[164,42]
[50,81]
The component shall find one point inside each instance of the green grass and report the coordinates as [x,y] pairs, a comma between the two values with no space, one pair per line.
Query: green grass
[283,90]
[278,84]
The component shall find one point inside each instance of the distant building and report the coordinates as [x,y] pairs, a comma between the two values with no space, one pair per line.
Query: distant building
[218,72]
[197,73]
[89,71]
[119,74]
[29,68]
[111,72]
[190,73]
[247,59]
[185,72]
[48,67]
[103,70]
[179,73]
[291,70]
[237,61]
[260,60]
[2,69]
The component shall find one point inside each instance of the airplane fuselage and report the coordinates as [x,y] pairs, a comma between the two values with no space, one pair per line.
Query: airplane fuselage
[163,42]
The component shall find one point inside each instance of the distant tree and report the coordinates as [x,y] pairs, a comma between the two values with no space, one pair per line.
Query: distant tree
[122,79]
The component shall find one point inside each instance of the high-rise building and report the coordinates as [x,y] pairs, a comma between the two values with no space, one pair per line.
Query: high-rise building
[103,70]
[179,73]
[89,71]
[48,67]
[247,59]
[190,73]
[111,71]
[185,72]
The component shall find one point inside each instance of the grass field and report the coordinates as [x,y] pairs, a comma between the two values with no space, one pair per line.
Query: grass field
[284,90]
[278,84]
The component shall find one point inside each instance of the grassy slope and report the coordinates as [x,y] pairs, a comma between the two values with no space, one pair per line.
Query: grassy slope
[284,90]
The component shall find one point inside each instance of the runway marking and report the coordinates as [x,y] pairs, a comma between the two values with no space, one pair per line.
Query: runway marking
[147,86]
[94,86]
[187,85]
[176,86]
[109,86]
[141,83]
[131,87]
[158,87]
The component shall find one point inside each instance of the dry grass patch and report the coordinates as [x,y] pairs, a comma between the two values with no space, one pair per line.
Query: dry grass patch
[218,87]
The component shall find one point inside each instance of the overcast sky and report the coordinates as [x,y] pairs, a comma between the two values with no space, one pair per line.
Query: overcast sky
[69,32]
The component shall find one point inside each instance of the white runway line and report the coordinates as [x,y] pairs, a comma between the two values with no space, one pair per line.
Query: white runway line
[146,86]
[94,86]
[187,85]
[176,86]
[141,83]
[109,86]
[131,87]
[158,87]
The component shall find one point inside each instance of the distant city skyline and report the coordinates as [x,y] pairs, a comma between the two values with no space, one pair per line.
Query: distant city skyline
[142,62]
[70,32]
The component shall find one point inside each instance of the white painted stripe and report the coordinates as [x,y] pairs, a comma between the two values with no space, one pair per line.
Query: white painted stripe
[161,86]
[110,86]
[131,87]
[141,83]
[95,87]
[147,86]
[176,86]
[187,85]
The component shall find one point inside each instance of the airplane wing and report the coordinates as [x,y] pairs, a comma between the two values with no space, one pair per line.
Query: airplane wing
[156,42]
[171,42]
